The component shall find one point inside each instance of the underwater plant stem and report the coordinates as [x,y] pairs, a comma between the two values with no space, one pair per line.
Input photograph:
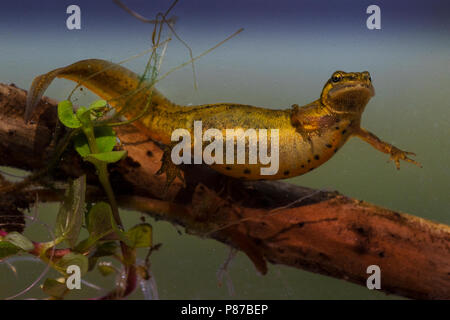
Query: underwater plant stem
[128,253]
[103,176]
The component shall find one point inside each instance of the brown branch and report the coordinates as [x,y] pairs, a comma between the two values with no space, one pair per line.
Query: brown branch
[319,231]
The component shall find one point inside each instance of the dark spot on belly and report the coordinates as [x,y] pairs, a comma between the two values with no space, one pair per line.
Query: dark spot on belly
[286,173]
[228,168]
[336,149]
[344,131]
[303,165]
[328,145]
[337,128]
[311,169]
[309,160]
[149,153]
[316,157]
[247,171]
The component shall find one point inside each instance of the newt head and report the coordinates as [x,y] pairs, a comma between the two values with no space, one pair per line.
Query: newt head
[347,92]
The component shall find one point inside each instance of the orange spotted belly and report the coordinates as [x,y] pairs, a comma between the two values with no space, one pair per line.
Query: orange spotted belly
[297,156]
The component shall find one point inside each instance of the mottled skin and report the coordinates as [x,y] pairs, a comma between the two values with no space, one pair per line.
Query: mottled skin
[309,135]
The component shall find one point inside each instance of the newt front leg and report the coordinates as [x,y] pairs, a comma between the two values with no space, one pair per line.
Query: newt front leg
[377,143]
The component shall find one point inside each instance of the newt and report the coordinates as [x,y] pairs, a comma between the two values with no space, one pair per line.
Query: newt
[308,136]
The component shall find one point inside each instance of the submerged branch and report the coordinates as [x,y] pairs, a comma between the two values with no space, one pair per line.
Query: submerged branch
[324,232]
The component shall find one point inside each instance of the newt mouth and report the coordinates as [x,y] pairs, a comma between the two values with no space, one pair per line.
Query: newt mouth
[361,88]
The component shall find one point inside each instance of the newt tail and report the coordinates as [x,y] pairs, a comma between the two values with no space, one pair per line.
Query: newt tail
[308,136]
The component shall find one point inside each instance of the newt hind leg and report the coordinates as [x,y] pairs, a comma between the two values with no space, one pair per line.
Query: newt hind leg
[171,170]
[395,153]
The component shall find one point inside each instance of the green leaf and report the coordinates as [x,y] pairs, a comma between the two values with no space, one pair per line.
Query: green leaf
[73,259]
[84,245]
[106,249]
[104,136]
[71,211]
[66,115]
[19,241]
[98,104]
[99,224]
[80,111]
[81,145]
[140,236]
[84,116]
[99,218]
[54,288]
[8,249]
[108,157]
[105,269]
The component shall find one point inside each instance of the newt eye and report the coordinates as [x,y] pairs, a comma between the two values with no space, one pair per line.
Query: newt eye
[336,78]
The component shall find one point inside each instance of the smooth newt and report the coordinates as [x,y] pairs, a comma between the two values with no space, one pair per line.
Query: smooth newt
[308,135]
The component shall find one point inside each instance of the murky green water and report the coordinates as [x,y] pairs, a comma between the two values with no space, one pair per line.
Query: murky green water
[273,68]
